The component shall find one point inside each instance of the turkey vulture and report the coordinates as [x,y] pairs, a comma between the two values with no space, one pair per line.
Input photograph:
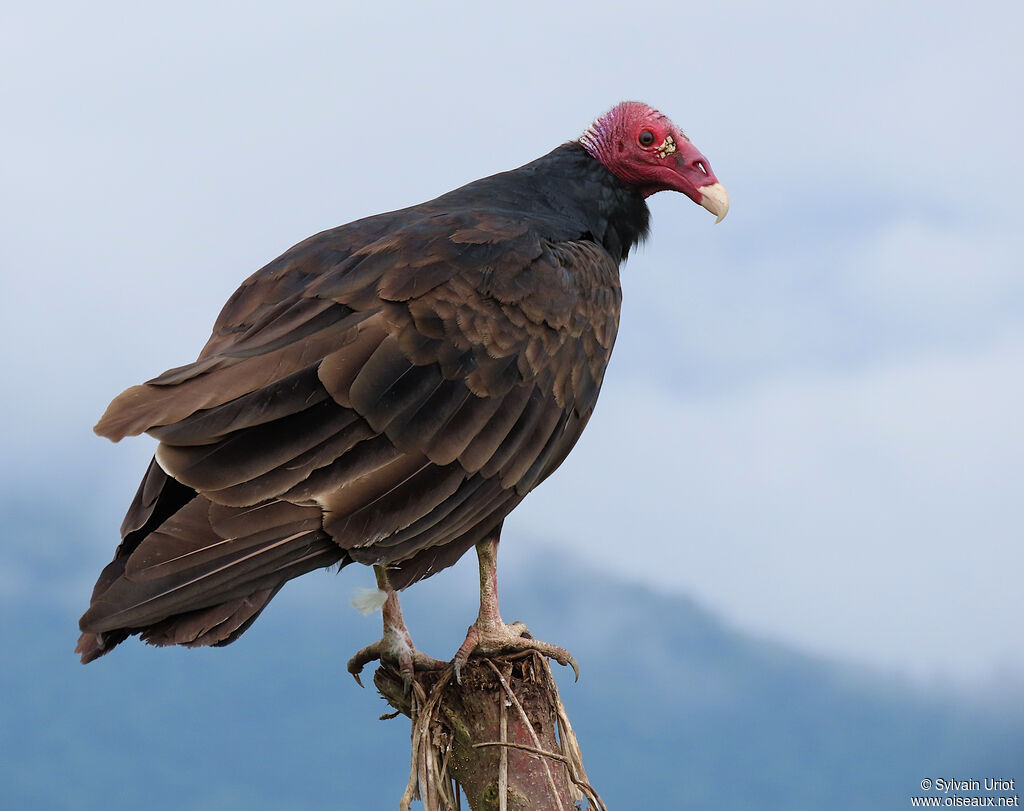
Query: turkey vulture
[385,393]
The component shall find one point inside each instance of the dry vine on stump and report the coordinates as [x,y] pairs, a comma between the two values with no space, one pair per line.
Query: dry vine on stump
[501,737]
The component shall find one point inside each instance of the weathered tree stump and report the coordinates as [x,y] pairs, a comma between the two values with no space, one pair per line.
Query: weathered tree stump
[500,738]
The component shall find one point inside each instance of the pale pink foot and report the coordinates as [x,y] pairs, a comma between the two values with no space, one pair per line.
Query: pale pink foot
[395,646]
[489,635]
[492,640]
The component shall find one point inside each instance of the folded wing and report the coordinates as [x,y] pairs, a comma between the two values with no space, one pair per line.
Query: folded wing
[381,394]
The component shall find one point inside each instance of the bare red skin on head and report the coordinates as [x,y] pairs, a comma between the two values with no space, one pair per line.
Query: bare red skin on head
[616,139]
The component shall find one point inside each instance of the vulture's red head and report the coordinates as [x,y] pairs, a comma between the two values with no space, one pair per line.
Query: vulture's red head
[641,147]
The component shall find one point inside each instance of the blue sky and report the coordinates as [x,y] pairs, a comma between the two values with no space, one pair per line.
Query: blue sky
[812,422]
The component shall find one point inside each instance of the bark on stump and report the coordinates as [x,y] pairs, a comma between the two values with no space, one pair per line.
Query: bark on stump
[502,731]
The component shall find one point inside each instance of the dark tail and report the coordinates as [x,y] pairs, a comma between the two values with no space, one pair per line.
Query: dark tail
[192,572]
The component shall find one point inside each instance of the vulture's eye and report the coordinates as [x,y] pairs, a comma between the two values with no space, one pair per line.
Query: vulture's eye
[645,138]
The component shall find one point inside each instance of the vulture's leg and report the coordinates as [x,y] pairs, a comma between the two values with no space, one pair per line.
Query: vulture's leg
[489,634]
[395,646]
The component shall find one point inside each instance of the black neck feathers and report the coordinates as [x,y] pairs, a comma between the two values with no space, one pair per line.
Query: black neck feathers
[569,194]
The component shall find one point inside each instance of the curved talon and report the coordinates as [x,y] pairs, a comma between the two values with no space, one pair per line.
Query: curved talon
[465,649]
[560,655]
[405,671]
[363,657]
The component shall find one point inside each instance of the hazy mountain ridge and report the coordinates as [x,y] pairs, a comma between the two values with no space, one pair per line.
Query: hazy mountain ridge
[673,706]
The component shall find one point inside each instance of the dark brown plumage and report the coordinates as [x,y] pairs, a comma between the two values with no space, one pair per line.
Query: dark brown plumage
[385,392]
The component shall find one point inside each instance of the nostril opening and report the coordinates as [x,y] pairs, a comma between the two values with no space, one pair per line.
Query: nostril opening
[700,165]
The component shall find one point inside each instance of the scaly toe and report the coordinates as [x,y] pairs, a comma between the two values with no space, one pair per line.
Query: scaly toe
[406,660]
[560,655]
[507,639]
[363,657]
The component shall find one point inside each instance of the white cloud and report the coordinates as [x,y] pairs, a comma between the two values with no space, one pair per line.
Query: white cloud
[716,308]
[874,515]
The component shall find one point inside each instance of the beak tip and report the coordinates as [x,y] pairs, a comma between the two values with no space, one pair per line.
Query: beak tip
[715,199]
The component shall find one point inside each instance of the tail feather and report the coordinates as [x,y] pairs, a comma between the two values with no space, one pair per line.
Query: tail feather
[203,575]
[92,646]
[219,625]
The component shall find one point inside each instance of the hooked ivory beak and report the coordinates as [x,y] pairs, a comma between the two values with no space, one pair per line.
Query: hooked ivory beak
[715,199]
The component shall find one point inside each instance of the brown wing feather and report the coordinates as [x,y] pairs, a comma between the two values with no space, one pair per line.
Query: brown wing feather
[217,380]
[378,395]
